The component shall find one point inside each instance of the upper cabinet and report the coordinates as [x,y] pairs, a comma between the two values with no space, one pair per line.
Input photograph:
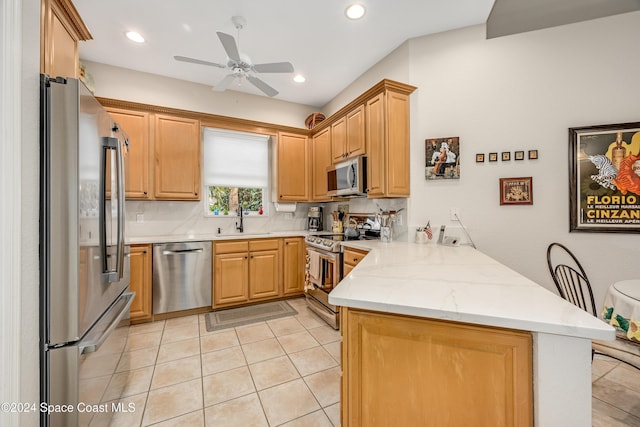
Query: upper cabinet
[320,161]
[348,135]
[61,30]
[176,158]
[292,167]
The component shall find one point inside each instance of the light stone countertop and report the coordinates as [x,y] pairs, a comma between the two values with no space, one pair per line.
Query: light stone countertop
[460,284]
[172,238]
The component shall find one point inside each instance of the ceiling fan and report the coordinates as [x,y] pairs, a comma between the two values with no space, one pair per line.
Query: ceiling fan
[240,64]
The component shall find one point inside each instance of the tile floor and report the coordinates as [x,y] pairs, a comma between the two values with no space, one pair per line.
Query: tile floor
[283,372]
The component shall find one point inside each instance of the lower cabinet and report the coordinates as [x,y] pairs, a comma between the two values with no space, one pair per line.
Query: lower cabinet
[141,273]
[350,258]
[293,265]
[403,370]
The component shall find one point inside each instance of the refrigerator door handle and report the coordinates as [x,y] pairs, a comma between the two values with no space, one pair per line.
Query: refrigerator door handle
[111,275]
[107,324]
[121,197]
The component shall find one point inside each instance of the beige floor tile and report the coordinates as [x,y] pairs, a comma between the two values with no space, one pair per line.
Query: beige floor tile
[181,321]
[299,341]
[115,343]
[312,360]
[137,359]
[146,328]
[325,334]
[601,366]
[625,375]
[98,365]
[218,340]
[126,412]
[170,402]
[92,389]
[176,371]
[617,395]
[285,326]
[262,350]
[287,402]
[333,412]
[222,360]
[243,411]
[140,341]
[180,333]
[178,350]
[254,332]
[227,385]
[314,419]
[309,320]
[606,415]
[273,372]
[193,419]
[334,349]
[128,383]
[325,386]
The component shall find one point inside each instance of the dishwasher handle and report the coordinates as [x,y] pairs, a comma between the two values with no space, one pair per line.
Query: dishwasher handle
[182,251]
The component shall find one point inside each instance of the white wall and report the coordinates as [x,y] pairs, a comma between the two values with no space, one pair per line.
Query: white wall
[523,92]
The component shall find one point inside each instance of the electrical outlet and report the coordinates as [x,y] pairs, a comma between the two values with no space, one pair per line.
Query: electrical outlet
[454,213]
[288,216]
[139,217]
[399,219]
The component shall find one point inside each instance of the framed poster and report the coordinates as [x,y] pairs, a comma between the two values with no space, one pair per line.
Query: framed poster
[604,178]
[516,191]
[442,158]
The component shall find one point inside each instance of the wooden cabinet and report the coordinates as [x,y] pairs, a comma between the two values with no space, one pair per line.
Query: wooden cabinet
[350,258]
[61,30]
[402,370]
[136,164]
[348,135]
[387,131]
[246,270]
[293,265]
[176,158]
[140,274]
[292,168]
[320,160]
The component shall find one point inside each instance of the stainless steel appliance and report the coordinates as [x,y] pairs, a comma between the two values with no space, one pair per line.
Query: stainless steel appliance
[323,273]
[314,218]
[181,276]
[84,266]
[348,178]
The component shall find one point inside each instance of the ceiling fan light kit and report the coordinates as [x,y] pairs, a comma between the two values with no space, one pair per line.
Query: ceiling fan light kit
[240,65]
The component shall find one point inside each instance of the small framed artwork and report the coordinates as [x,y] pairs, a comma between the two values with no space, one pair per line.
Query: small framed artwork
[493,157]
[518,155]
[533,154]
[506,156]
[516,191]
[442,158]
[479,157]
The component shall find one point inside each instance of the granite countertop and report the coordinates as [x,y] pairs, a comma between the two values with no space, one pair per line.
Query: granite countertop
[461,284]
[170,238]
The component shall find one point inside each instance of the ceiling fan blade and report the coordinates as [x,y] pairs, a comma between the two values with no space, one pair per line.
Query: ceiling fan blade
[198,61]
[224,83]
[229,44]
[268,90]
[274,67]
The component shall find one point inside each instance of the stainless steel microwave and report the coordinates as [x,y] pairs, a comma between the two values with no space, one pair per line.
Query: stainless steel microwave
[348,178]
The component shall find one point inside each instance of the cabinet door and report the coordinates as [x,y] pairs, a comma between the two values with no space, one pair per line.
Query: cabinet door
[397,150]
[136,163]
[355,132]
[292,168]
[376,157]
[294,264]
[140,259]
[231,278]
[264,274]
[321,159]
[338,140]
[177,158]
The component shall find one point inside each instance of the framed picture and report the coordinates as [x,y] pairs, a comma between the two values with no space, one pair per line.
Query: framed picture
[442,158]
[533,154]
[516,191]
[493,157]
[480,158]
[518,155]
[604,178]
[506,156]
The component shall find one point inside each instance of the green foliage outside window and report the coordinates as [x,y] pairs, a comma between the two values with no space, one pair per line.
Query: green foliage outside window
[223,200]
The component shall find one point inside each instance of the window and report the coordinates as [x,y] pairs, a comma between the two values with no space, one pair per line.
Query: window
[236,172]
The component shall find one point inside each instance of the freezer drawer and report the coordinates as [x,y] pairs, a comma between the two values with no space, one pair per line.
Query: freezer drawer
[181,276]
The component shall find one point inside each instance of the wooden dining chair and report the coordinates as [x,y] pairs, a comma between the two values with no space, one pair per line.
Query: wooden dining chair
[573,284]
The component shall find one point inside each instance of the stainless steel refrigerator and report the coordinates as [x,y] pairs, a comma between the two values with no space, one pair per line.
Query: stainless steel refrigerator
[84,263]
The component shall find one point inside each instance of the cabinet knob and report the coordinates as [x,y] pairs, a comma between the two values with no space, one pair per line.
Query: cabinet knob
[281,196]
[145,193]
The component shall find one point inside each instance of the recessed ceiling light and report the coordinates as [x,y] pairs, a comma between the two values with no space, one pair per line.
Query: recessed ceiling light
[134,37]
[355,11]
[299,78]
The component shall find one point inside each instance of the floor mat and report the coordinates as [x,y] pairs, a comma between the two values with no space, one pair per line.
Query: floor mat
[246,315]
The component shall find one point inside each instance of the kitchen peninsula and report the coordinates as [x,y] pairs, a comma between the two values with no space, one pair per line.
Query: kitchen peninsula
[449,335]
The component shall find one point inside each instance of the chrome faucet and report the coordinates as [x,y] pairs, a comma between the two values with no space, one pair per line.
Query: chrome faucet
[240,227]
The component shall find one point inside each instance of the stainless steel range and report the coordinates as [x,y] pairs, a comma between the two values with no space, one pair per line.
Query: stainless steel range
[323,273]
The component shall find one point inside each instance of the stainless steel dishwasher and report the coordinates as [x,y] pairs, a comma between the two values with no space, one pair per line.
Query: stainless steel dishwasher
[181,276]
